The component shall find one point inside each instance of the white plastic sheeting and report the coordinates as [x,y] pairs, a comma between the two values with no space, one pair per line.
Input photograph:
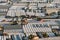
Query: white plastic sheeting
[34,0]
[15,11]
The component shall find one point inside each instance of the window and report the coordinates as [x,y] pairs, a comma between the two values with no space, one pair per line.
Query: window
[41,11]
[45,25]
[34,25]
[40,25]
[37,25]
[30,10]
[34,11]
[38,11]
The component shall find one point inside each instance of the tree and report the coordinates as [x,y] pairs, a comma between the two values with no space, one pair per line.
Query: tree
[30,37]
[33,37]
[58,12]
[53,13]
[49,1]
